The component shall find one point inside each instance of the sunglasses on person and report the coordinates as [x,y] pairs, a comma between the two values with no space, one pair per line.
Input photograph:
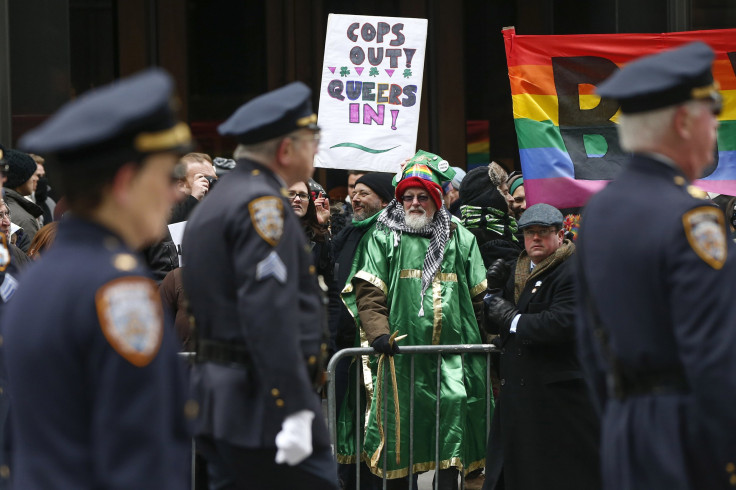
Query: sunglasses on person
[422,198]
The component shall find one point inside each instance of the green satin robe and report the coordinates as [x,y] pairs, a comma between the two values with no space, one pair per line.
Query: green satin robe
[448,319]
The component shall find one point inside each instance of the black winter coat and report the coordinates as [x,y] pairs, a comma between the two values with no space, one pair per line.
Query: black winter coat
[545,432]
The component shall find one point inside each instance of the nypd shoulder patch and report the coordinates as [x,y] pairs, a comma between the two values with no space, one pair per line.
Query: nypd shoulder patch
[267,215]
[131,317]
[706,234]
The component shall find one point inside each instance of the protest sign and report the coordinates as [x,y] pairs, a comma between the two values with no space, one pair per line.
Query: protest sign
[370,92]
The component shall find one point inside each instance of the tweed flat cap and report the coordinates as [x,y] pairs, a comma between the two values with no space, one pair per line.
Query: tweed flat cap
[541,215]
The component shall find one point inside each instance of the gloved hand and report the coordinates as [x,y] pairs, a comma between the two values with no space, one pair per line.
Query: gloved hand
[383,345]
[500,311]
[497,275]
[294,442]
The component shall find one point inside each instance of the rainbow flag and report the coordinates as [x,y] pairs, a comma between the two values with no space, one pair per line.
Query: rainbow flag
[568,143]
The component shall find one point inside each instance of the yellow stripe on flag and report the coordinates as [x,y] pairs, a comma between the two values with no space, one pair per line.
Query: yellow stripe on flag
[536,107]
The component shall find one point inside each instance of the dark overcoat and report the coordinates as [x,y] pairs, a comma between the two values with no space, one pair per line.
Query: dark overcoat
[657,266]
[544,433]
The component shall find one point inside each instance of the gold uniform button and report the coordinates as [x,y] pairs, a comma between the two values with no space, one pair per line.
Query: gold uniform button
[255,172]
[125,262]
[732,480]
[312,360]
[679,180]
[730,467]
[4,471]
[279,402]
[312,269]
[275,392]
[191,409]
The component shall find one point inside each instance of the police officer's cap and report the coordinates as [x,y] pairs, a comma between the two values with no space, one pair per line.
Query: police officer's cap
[271,115]
[120,121]
[541,215]
[664,79]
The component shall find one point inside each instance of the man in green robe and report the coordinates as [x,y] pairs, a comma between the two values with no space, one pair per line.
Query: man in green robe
[418,274]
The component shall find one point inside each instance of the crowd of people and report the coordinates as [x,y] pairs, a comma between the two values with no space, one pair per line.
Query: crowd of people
[612,352]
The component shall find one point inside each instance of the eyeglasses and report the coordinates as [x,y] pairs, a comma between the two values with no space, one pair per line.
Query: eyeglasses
[541,232]
[422,198]
[314,137]
[302,195]
[4,215]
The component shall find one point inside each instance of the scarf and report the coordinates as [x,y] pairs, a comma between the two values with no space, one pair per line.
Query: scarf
[491,219]
[524,275]
[438,231]
[366,222]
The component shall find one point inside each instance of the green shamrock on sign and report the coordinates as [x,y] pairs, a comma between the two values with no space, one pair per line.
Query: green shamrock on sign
[407,73]
[373,72]
[344,71]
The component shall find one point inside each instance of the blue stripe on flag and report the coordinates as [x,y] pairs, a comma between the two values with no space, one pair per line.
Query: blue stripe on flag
[545,163]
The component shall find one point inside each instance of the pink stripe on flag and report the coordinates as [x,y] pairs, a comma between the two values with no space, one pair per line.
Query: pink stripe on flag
[561,192]
[727,187]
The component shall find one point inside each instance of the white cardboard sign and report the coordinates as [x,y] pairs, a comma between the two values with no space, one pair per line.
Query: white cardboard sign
[370,92]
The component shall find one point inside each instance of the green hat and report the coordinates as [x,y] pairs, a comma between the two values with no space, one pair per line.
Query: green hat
[438,169]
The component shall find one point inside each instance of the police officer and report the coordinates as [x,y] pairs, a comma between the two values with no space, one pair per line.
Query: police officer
[657,334]
[257,308]
[96,388]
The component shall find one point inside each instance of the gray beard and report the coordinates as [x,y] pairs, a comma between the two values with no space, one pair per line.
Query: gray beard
[366,213]
[417,222]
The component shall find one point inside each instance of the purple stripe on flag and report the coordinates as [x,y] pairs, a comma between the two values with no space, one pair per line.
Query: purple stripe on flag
[545,163]
[561,192]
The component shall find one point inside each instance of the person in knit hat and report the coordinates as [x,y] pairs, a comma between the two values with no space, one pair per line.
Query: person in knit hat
[21,182]
[419,274]
[516,189]
[485,213]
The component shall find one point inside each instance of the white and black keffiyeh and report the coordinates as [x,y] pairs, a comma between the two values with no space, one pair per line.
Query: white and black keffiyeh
[438,232]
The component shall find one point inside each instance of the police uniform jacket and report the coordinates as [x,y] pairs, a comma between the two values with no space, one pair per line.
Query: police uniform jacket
[657,271]
[250,284]
[544,432]
[97,389]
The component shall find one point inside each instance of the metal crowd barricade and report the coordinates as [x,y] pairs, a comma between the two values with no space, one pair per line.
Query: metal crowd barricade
[411,350]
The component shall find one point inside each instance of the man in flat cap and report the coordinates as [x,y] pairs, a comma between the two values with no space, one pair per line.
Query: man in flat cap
[258,312]
[420,274]
[544,419]
[97,390]
[656,330]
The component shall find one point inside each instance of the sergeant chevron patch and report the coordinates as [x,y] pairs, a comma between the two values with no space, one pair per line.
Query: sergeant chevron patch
[131,318]
[706,233]
[271,266]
